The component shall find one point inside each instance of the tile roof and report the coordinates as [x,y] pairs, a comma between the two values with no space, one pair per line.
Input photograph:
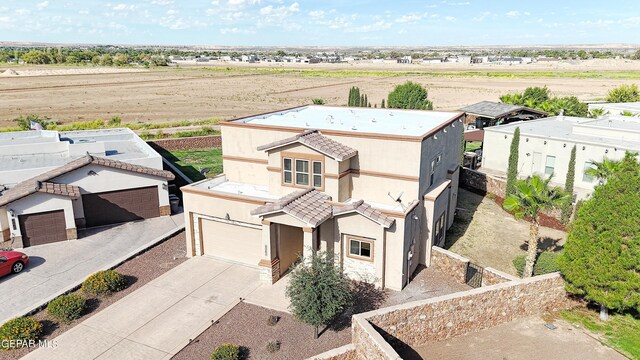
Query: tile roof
[365,210]
[311,206]
[495,109]
[307,205]
[315,140]
[41,182]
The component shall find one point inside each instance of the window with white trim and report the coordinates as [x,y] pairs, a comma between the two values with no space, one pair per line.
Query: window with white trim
[287,171]
[362,249]
[550,165]
[302,172]
[317,174]
[434,163]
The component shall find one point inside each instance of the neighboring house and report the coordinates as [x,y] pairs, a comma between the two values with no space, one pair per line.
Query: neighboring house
[54,183]
[632,108]
[375,187]
[488,113]
[545,147]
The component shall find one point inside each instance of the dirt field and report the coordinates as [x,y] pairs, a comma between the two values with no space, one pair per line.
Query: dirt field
[190,93]
[489,236]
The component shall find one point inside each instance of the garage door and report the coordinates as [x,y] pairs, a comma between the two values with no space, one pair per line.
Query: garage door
[232,242]
[42,228]
[120,206]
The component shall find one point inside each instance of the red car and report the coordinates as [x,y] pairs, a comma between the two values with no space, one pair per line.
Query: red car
[12,262]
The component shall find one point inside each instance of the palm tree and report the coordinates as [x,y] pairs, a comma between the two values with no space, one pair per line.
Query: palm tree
[532,196]
[602,170]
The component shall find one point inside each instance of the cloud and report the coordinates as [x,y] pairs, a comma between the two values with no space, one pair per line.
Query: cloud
[483,15]
[42,5]
[318,14]
[162,2]
[513,13]
[450,18]
[377,26]
[236,30]
[410,18]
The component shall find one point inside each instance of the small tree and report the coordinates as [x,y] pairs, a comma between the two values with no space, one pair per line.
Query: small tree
[531,196]
[624,93]
[567,207]
[409,96]
[318,291]
[512,170]
[602,253]
[382,104]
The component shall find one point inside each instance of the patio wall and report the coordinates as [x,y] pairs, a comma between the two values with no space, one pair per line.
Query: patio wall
[453,315]
[455,266]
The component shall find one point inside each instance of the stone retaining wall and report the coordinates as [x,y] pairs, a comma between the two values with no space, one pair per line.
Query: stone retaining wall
[347,352]
[368,342]
[491,276]
[449,263]
[187,143]
[482,183]
[464,312]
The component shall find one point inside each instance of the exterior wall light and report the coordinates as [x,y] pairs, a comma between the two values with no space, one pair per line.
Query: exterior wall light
[584,148]
[606,151]
[12,213]
[92,173]
[545,142]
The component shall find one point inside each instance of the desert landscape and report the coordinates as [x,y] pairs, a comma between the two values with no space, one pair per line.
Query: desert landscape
[230,90]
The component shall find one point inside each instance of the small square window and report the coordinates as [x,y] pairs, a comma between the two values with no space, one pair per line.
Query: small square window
[550,165]
[361,249]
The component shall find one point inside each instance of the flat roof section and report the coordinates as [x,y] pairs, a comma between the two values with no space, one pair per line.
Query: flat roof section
[356,120]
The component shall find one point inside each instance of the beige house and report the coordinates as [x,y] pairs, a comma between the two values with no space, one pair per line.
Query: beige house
[375,187]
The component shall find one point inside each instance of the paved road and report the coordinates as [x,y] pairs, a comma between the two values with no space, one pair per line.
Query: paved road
[56,268]
[157,320]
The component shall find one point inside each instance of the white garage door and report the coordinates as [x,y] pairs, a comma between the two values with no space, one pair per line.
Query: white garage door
[232,242]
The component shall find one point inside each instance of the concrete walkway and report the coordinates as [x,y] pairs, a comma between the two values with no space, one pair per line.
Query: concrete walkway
[157,320]
[58,268]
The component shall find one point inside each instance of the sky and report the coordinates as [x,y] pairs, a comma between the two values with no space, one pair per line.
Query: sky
[321,23]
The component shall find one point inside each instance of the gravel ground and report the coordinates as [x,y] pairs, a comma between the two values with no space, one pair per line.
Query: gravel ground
[139,271]
[246,325]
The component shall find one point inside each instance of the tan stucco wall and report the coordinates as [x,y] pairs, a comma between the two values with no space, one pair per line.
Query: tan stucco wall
[232,242]
[290,246]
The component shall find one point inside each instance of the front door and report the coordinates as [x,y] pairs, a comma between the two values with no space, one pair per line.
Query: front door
[535,162]
[290,246]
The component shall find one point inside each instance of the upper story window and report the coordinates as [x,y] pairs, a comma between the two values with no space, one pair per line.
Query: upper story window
[303,172]
[549,166]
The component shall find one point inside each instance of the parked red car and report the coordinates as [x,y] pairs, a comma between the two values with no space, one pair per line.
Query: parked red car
[12,262]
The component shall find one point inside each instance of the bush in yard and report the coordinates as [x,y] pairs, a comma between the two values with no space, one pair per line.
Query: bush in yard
[104,283]
[226,352]
[318,291]
[272,320]
[409,96]
[67,307]
[21,329]
[273,346]
[547,263]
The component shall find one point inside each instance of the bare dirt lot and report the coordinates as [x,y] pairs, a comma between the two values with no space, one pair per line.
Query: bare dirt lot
[235,89]
[489,236]
[520,339]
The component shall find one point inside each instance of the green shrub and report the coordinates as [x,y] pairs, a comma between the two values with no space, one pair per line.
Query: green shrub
[273,346]
[546,263]
[104,283]
[317,101]
[15,332]
[226,352]
[67,307]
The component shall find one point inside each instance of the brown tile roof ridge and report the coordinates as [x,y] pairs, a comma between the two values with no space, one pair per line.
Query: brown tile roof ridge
[314,139]
[308,205]
[365,210]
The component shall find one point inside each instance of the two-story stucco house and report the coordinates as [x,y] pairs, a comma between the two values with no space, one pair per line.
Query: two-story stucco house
[375,187]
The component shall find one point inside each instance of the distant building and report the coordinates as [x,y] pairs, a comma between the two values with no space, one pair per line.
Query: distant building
[545,147]
[432,60]
[632,108]
[53,183]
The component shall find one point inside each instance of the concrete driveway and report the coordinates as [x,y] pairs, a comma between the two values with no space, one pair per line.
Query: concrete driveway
[157,320]
[57,268]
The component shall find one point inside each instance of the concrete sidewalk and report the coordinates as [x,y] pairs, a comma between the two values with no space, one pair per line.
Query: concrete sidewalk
[158,320]
[58,268]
